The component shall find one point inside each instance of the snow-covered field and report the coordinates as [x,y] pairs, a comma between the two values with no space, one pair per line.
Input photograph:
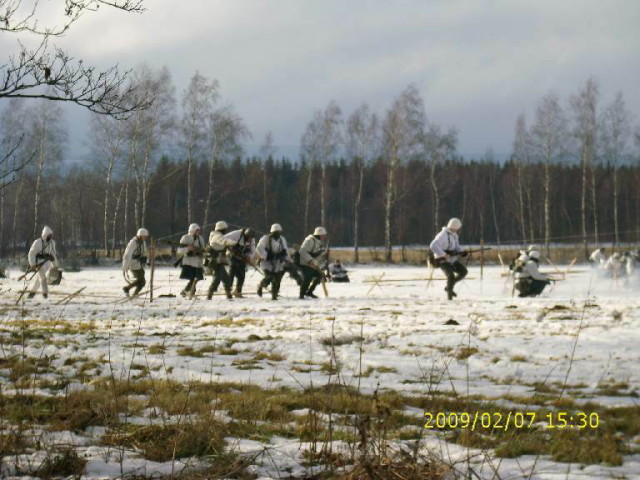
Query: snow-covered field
[579,339]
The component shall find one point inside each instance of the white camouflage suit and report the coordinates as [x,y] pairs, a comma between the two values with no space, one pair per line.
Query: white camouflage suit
[42,250]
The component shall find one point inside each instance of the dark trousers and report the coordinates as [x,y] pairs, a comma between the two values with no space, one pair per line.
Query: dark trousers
[531,288]
[293,272]
[139,281]
[273,279]
[454,272]
[220,275]
[310,280]
[238,272]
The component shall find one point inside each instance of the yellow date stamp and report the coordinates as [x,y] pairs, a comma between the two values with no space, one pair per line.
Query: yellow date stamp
[505,421]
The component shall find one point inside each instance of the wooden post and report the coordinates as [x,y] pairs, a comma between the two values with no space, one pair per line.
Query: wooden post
[153,268]
[481,259]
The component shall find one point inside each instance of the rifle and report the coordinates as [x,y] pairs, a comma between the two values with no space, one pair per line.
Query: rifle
[33,269]
[464,253]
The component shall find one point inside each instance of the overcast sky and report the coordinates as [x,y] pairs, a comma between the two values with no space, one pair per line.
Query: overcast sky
[478,64]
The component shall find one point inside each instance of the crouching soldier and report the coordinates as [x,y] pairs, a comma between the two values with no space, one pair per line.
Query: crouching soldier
[192,247]
[274,254]
[42,258]
[241,253]
[311,252]
[446,249]
[338,273]
[134,259]
[219,260]
[530,282]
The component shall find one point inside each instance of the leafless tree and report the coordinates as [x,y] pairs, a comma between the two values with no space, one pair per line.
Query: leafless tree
[615,135]
[226,132]
[152,125]
[438,148]
[584,106]
[548,139]
[108,146]
[321,142]
[402,130]
[267,151]
[197,104]
[521,155]
[67,79]
[46,135]
[362,144]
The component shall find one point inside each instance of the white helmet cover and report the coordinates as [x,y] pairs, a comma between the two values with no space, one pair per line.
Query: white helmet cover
[320,231]
[534,254]
[221,225]
[193,227]
[275,228]
[142,232]
[454,224]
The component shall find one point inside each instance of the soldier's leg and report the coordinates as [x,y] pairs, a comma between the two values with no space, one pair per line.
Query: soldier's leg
[448,270]
[242,270]
[537,286]
[316,275]
[275,289]
[140,280]
[265,282]
[307,276]
[461,271]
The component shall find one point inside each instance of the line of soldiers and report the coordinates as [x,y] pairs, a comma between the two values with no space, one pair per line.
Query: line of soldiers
[228,254]
[619,264]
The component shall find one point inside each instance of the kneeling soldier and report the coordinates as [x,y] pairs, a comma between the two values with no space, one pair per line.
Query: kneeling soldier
[530,282]
[134,260]
[274,254]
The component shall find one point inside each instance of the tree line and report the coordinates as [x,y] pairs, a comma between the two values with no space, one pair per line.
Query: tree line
[386,179]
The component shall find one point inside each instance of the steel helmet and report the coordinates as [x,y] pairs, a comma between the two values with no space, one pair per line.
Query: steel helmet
[142,232]
[275,228]
[454,224]
[534,254]
[320,231]
[193,227]
[533,247]
[221,225]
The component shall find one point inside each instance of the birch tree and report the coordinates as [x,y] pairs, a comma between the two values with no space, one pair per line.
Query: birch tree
[267,151]
[402,131]
[584,105]
[521,159]
[108,147]
[320,143]
[362,144]
[153,127]
[226,133]
[198,103]
[615,134]
[438,147]
[548,137]
[47,135]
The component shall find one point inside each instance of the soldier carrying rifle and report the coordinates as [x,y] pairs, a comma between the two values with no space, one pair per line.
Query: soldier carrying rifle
[42,258]
[446,248]
[274,254]
[312,252]
[192,247]
[134,259]
[241,253]
[218,250]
